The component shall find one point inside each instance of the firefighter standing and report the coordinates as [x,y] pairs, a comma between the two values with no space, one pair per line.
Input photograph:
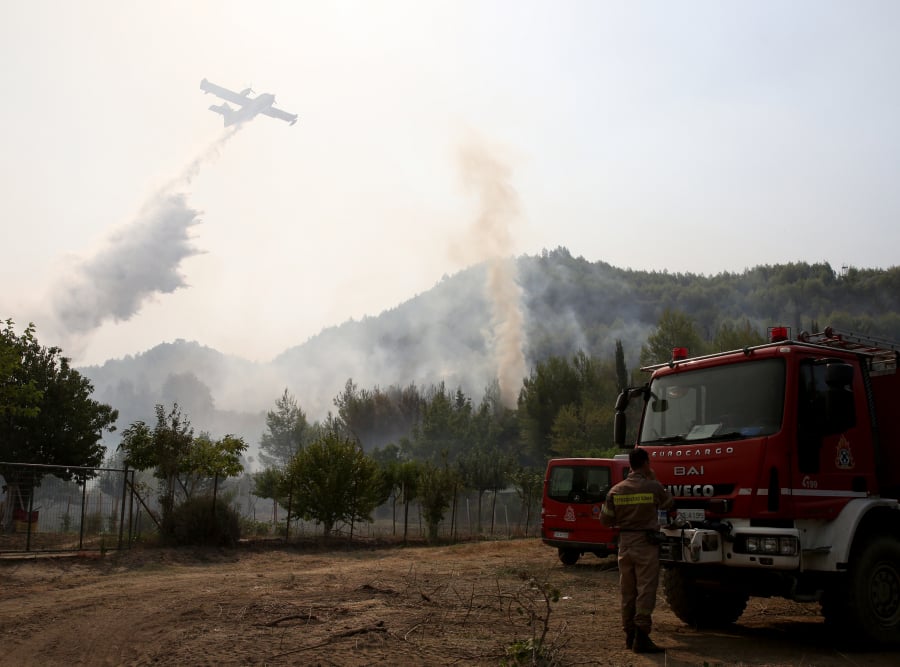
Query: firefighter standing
[632,506]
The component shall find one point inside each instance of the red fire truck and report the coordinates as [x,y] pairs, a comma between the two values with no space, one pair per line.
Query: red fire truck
[574,491]
[784,460]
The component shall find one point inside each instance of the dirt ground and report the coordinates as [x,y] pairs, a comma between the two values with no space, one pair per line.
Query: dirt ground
[464,604]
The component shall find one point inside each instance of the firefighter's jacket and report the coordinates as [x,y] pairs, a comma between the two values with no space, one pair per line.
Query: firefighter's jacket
[632,505]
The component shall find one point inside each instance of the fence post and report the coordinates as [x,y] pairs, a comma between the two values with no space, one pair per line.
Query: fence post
[122,513]
[83,505]
[215,493]
[287,524]
[132,529]
[28,518]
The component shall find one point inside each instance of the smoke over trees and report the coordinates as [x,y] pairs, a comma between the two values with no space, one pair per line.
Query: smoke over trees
[486,174]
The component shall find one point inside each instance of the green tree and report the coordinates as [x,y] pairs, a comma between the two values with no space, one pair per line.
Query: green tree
[165,450]
[573,402]
[288,431]
[389,462]
[19,395]
[408,475]
[529,485]
[674,329]
[47,415]
[435,493]
[494,425]
[445,427]
[179,460]
[732,337]
[621,369]
[376,418]
[209,461]
[270,484]
[553,384]
[477,469]
[333,481]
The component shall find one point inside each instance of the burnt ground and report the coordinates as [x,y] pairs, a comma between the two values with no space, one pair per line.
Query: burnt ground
[465,604]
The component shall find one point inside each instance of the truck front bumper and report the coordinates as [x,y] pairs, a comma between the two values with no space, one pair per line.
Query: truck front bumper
[745,546]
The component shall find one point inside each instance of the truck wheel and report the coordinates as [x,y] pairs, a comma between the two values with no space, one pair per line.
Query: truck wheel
[699,606]
[873,591]
[569,556]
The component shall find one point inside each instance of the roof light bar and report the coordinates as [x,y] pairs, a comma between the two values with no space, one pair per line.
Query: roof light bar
[778,334]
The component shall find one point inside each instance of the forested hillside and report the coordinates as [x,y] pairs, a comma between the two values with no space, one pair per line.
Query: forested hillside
[576,304]
[569,306]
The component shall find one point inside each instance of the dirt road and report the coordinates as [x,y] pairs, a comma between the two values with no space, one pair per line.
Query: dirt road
[465,604]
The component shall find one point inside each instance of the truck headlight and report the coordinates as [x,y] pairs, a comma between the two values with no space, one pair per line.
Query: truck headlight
[776,545]
[788,546]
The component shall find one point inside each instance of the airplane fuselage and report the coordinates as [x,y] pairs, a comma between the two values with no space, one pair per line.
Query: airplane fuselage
[249,110]
[247,107]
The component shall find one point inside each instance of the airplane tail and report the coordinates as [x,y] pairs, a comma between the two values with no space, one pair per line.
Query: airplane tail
[226,111]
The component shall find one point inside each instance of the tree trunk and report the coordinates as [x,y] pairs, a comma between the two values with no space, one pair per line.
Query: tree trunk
[405,520]
[493,509]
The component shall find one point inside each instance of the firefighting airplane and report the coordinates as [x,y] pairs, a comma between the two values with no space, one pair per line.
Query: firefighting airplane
[249,106]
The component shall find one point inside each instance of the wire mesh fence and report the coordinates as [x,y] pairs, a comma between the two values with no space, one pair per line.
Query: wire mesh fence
[503,517]
[69,508]
[66,508]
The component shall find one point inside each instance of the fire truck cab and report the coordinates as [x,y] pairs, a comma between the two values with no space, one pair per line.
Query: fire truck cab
[784,461]
[574,492]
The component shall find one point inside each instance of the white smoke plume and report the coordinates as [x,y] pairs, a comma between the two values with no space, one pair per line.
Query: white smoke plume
[488,175]
[138,261]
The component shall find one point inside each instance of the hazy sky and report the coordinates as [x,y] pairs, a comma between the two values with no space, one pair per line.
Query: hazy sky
[691,136]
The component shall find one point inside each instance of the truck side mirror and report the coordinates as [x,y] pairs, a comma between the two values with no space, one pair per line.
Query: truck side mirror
[619,421]
[619,425]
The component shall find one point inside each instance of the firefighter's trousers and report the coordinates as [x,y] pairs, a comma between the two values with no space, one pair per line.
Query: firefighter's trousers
[638,580]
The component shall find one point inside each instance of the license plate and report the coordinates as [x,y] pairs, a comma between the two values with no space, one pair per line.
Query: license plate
[692,514]
[561,534]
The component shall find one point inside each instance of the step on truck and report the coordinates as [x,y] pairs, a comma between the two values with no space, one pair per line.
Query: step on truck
[574,492]
[784,461]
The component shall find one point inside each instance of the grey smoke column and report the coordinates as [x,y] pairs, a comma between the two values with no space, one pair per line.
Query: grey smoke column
[486,174]
[138,261]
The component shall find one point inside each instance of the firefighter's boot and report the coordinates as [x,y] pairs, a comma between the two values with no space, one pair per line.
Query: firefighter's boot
[643,643]
[629,638]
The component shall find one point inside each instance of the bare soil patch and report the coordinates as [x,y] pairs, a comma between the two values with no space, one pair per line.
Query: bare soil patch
[464,604]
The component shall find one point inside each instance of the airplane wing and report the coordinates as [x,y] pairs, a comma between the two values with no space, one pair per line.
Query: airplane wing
[278,113]
[224,93]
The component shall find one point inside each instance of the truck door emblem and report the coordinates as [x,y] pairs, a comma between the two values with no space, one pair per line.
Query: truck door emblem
[570,514]
[844,459]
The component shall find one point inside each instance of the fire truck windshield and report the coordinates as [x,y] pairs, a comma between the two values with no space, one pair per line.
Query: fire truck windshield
[728,402]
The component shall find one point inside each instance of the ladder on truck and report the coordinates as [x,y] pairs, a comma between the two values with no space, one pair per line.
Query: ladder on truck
[883,354]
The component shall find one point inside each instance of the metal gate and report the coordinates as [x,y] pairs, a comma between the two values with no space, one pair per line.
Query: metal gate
[66,508]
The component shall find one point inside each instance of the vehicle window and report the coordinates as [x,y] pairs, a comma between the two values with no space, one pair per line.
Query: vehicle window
[579,483]
[722,403]
[821,410]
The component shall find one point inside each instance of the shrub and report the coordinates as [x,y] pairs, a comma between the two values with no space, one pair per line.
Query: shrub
[254,527]
[194,522]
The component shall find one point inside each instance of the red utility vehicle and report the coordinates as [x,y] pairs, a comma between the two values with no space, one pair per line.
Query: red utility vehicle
[574,491]
[784,460]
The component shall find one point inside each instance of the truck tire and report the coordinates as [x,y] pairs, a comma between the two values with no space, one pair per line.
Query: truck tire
[568,556]
[699,606]
[872,591]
